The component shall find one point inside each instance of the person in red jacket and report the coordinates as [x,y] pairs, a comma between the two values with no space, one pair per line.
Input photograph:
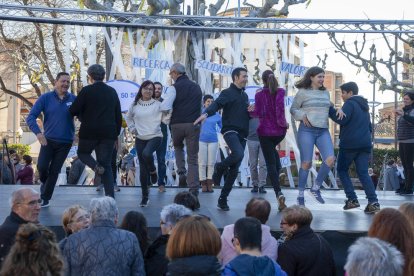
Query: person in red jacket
[26,174]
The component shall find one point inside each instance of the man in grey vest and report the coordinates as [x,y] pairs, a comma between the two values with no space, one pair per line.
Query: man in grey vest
[184,98]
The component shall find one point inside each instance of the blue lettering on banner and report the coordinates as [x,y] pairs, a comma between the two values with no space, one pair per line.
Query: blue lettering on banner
[213,67]
[151,63]
[288,101]
[294,69]
[285,161]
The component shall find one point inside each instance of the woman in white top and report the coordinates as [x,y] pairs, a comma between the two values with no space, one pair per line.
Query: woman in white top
[144,120]
[311,107]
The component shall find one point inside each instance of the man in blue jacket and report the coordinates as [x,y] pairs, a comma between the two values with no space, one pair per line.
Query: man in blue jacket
[57,136]
[355,146]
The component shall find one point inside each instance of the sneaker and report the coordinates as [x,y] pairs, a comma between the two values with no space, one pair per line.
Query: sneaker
[351,203]
[301,201]
[316,194]
[144,202]
[218,174]
[99,188]
[255,189]
[262,190]
[222,204]
[182,181]
[161,189]
[154,177]
[45,203]
[372,208]
[281,200]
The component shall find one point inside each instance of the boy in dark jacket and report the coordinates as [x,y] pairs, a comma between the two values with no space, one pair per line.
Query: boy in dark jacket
[248,242]
[355,145]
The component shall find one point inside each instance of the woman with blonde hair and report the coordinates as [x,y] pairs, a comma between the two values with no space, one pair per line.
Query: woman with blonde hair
[407,209]
[74,219]
[35,252]
[192,253]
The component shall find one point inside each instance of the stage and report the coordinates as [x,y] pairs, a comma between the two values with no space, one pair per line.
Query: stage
[339,227]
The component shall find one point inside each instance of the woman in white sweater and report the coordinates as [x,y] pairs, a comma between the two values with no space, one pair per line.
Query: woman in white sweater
[144,120]
[311,107]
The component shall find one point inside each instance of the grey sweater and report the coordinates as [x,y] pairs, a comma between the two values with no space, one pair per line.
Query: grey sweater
[314,104]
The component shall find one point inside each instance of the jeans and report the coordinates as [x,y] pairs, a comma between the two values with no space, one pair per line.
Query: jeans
[191,134]
[161,151]
[257,176]
[407,155]
[145,152]
[103,150]
[50,162]
[308,137]
[206,159]
[237,144]
[361,158]
[268,144]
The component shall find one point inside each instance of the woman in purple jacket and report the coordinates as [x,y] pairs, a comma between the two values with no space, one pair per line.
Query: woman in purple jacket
[270,109]
[26,174]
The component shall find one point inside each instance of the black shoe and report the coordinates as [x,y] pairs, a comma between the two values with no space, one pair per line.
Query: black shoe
[255,189]
[372,208]
[398,191]
[351,204]
[182,181]
[218,174]
[45,203]
[144,202]
[154,177]
[405,192]
[99,187]
[222,204]
[262,190]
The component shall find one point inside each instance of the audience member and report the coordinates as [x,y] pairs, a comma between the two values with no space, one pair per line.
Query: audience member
[407,209]
[156,263]
[192,248]
[247,241]
[74,219]
[304,252]
[35,252]
[136,223]
[26,174]
[391,182]
[208,146]
[258,208]
[25,207]
[374,257]
[187,199]
[75,171]
[115,251]
[392,226]
[6,175]
[374,177]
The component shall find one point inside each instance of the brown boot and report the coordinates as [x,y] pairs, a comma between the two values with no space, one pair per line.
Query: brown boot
[210,185]
[203,186]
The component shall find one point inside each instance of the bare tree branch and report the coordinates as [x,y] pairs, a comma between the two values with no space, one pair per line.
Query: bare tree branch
[13,93]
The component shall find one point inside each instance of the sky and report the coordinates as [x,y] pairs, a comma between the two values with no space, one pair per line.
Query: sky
[347,9]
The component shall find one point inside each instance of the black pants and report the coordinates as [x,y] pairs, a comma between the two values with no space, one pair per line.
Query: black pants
[145,150]
[271,156]
[103,150]
[50,162]
[407,157]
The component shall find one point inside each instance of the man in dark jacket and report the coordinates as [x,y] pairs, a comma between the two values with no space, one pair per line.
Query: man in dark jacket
[355,146]
[103,249]
[98,108]
[25,207]
[234,102]
[248,242]
[184,98]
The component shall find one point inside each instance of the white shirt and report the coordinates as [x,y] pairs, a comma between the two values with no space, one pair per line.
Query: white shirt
[168,98]
[145,118]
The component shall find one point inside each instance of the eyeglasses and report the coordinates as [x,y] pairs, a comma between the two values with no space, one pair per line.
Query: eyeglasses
[147,89]
[32,203]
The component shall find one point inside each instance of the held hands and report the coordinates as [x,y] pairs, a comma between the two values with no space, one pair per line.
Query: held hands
[200,119]
[306,121]
[250,108]
[42,139]
[340,114]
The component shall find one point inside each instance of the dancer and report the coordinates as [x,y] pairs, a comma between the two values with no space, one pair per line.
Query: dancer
[144,120]
[270,108]
[311,107]
[57,137]
[162,149]
[234,102]
[355,145]
[208,146]
[99,110]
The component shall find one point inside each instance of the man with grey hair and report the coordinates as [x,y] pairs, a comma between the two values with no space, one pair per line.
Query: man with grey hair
[25,207]
[103,249]
[184,98]
[98,108]
[156,263]
[372,256]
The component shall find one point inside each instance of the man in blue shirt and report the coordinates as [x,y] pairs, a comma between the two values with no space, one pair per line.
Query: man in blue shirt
[57,136]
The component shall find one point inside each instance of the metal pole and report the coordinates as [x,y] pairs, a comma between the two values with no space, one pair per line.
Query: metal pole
[373,112]
[395,96]
[238,9]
